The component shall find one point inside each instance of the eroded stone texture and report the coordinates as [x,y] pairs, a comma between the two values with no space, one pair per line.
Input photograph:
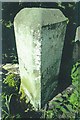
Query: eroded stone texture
[39,36]
[52,45]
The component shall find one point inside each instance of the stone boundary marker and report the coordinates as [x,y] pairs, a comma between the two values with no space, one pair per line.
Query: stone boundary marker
[39,34]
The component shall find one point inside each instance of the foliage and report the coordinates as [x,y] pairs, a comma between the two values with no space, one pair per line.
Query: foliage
[75,97]
[10,87]
[6,106]
[11,81]
[63,106]
[12,104]
[11,84]
[67,105]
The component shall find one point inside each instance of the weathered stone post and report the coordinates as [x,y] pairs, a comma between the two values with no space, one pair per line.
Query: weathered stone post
[76,49]
[39,34]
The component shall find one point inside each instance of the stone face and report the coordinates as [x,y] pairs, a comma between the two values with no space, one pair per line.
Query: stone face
[77,37]
[76,49]
[52,44]
[39,34]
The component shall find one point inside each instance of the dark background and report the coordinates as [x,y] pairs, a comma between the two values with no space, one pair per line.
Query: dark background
[9,53]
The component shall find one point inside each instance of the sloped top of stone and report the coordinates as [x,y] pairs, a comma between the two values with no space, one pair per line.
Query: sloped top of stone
[39,16]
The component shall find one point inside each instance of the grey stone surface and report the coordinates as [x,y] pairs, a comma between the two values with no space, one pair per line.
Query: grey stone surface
[39,34]
[77,37]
